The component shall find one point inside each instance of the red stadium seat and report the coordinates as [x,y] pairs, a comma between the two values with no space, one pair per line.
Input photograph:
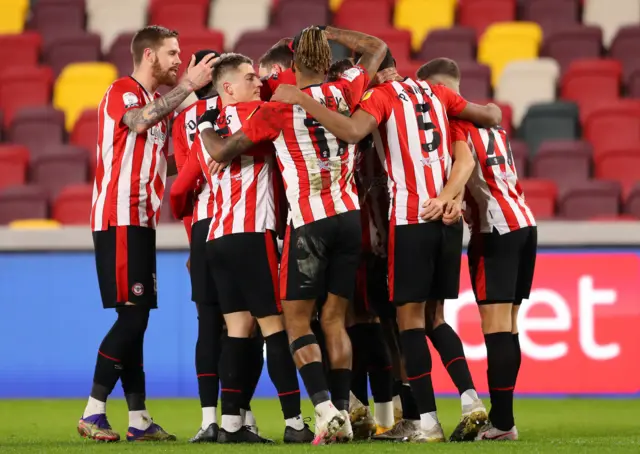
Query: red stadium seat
[120,54]
[476,80]
[398,41]
[85,131]
[60,166]
[73,204]
[72,48]
[479,14]
[14,160]
[291,17]
[591,84]
[520,157]
[616,125]
[193,41]
[540,196]
[552,15]
[589,199]
[20,50]
[183,15]
[24,87]
[363,15]
[633,84]
[254,44]
[574,42]
[408,68]
[619,164]
[39,128]
[53,17]
[632,202]
[565,162]
[457,43]
[22,202]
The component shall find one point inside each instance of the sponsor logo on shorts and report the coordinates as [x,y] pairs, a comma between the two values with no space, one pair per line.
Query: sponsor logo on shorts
[137,289]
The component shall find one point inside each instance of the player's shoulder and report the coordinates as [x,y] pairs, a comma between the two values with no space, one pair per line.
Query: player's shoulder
[353,73]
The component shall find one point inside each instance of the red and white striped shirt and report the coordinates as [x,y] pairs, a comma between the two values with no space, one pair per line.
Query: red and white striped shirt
[132,168]
[185,129]
[243,191]
[413,140]
[494,197]
[317,168]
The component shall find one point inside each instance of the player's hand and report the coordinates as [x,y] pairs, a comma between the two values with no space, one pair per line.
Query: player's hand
[433,209]
[452,212]
[288,94]
[200,75]
[216,167]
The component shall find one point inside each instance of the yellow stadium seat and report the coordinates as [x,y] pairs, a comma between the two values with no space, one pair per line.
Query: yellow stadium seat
[335,4]
[422,16]
[81,86]
[35,224]
[508,41]
[13,15]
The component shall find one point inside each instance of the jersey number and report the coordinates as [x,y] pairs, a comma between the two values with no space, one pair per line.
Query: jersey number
[433,137]
[321,139]
[492,159]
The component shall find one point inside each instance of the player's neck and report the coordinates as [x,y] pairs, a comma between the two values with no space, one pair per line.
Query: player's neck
[145,79]
[303,81]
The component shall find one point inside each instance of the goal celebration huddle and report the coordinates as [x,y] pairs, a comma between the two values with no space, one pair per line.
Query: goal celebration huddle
[325,204]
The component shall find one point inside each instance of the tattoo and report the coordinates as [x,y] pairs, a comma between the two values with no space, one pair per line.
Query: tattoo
[222,150]
[140,120]
[373,49]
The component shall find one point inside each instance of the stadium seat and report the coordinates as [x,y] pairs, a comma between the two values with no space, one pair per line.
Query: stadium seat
[291,17]
[408,68]
[621,164]
[612,126]
[476,80]
[557,120]
[625,49]
[611,18]
[61,165]
[13,16]
[632,202]
[73,48]
[112,18]
[14,161]
[565,162]
[507,113]
[589,199]
[55,17]
[575,42]
[24,87]
[480,14]
[591,83]
[85,131]
[457,43]
[363,15]
[73,204]
[119,54]
[540,196]
[194,41]
[506,42]
[183,15]
[21,50]
[34,224]
[255,44]
[633,85]
[22,202]
[398,41]
[38,128]
[422,16]
[334,5]
[552,14]
[235,17]
[524,83]
[520,157]
[82,86]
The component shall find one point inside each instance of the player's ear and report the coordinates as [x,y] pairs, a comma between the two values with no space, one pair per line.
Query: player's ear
[228,88]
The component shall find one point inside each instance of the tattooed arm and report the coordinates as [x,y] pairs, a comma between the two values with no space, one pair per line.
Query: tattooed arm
[373,49]
[223,150]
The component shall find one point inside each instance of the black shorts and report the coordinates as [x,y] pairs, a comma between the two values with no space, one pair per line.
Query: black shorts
[372,291]
[321,257]
[424,262]
[203,289]
[244,267]
[502,266]
[126,265]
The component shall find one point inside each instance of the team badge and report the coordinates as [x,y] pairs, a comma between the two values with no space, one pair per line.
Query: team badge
[137,289]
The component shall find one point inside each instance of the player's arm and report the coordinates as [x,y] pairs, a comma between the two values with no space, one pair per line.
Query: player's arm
[372,49]
[485,116]
[184,187]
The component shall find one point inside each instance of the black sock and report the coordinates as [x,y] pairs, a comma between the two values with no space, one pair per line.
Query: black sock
[501,362]
[360,361]
[283,374]
[417,360]
[208,348]
[132,377]
[340,380]
[409,406]
[233,374]
[397,387]
[379,367]
[448,344]
[315,382]
[516,341]
[255,363]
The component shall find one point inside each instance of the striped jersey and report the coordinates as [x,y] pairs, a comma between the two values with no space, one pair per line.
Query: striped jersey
[494,197]
[131,168]
[413,140]
[317,168]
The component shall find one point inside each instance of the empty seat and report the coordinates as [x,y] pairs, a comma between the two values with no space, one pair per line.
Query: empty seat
[566,162]
[112,18]
[476,80]
[615,125]
[24,87]
[589,199]
[633,85]
[524,83]
[54,17]
[506,42]
[363,15]
[235,17]
[552,14]
[182,16]
[632,202]
[398,41]
[621,164]
[34,224]
[624,48]
[254,44]
[422,16]
[22,202]
[61,165]
[73,48]
[73,204]
[14,161]
[611,18]
[571,43]
[38,128]
[540,196]
[13,15]
[120,56]
[520,157]
[85,131]
[408,68]
[290,18]
[82,86]
[194,41]
[20,50]
[457,43]
[557,120]
[480,14]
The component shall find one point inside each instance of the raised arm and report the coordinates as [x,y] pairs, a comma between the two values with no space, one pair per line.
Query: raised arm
[484,116]
[372,49]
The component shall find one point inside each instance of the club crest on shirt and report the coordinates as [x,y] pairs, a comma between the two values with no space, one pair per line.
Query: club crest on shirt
[130,100]
[137,289]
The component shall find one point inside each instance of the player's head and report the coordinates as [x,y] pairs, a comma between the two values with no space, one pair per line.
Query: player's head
[156,49]
[235,79]
[311,53]
[276,59]
[337,68]
[441,71]
[208,89]
[386,71]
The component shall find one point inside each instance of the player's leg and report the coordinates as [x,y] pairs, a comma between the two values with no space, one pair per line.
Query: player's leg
[255,364]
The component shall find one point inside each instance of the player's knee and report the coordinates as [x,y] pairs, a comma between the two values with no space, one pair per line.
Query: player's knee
[411,316]
[133,320]
[305,348]
[270,325]
[239,324]
[496,317]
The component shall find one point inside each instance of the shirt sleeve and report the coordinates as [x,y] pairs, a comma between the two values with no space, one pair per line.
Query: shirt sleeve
[354,82]
[265,123]
[376,103]
[453,102]
[458,131]
[122,98]
[184,186]
[180,143]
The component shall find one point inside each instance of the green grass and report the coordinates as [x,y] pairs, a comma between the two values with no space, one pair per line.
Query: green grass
[546,426]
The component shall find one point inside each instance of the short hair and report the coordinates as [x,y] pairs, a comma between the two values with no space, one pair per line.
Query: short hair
[312,51]
[337,68]
[280,54]
[228,62]
[152,37]
[388,61]
[439,67]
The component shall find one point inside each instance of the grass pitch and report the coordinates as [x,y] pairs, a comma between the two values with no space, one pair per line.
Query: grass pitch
[546,426]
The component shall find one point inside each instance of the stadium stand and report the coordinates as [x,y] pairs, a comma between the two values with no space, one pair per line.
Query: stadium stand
[563,72]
